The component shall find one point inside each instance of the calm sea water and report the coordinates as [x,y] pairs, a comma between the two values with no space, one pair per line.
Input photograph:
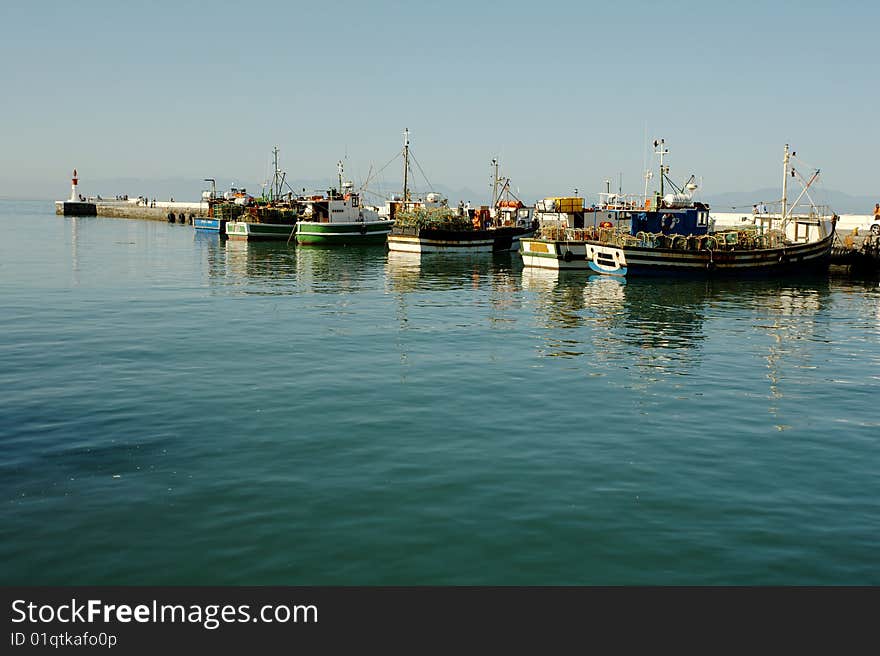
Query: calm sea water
[179,409]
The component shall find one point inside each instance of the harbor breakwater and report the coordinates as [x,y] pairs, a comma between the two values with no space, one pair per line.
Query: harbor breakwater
[160,212]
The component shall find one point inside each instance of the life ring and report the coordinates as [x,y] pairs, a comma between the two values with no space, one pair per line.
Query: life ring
[668,222]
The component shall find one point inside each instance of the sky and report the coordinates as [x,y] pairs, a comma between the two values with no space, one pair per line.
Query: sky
[565,94]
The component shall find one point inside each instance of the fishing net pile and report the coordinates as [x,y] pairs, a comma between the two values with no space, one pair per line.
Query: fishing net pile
[441,218]
[227,211]
[749,239]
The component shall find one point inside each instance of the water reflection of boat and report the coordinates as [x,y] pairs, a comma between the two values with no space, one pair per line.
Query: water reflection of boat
[259,260]
[608,317]
[331,270]
[565,301]
[408,271]
[663,325]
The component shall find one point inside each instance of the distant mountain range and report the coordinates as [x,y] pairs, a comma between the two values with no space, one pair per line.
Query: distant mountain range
[837,201]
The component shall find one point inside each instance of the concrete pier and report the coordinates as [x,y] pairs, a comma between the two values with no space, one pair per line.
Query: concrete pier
[126,210]
[161,212]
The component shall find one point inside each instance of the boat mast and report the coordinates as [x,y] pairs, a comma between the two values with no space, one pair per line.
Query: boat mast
[405,165]
[495,182]
[662,151]
[785,160]
[276,187]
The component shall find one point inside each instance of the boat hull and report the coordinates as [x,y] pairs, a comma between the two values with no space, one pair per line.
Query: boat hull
[328,234]
[630,261]
[259,231]
[209,223]
[429,240]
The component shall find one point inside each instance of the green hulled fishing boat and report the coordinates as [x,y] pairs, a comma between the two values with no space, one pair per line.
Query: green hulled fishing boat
[340,218]
[271,217]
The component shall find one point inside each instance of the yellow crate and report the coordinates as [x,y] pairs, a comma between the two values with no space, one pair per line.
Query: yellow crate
[570,204]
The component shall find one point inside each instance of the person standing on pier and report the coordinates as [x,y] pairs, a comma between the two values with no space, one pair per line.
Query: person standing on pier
[876,211]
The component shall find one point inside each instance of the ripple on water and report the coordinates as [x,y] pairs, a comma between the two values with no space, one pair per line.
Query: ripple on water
[195,411]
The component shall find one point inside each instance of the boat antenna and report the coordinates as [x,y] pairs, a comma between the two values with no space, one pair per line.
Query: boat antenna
[339,170]
[645,156]
[405,165]
[785,160]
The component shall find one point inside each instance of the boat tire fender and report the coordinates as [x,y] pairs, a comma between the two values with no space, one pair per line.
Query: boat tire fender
[567,256]
[171,217]
[363,228]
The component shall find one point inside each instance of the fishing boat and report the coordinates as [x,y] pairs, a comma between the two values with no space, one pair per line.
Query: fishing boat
[434,227]
[221,208]
[271,217]
[673,233]
[339,217]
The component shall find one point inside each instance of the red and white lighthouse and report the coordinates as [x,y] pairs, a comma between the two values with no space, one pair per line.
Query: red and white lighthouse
[74,196]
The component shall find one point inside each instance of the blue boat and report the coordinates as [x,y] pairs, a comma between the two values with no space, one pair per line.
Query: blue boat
[222,208]
[209,223]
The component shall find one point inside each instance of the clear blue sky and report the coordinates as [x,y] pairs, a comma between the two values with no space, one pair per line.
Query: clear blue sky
[561,91]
